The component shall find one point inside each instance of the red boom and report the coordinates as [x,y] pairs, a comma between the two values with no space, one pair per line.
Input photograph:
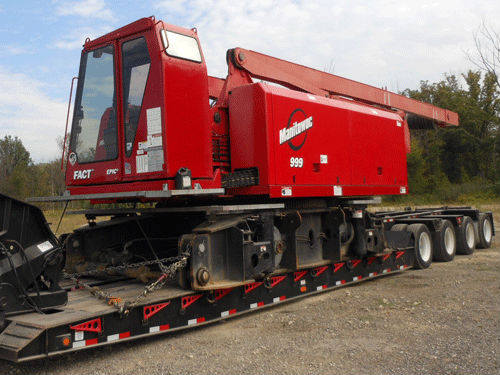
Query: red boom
[306,79]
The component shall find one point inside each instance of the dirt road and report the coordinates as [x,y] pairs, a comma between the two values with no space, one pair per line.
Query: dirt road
[443,320]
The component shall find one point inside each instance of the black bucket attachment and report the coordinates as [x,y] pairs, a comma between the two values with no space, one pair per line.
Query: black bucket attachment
[31,260]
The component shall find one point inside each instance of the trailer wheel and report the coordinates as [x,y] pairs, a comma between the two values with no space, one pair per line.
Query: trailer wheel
[423,245]
[484,231]
[399,227]
[445,243]
[466,237]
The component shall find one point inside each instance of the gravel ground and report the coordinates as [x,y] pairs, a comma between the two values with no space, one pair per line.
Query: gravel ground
[443,320]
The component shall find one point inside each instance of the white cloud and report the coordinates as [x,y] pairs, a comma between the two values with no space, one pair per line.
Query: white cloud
[85,8]
[76,37]
[383,43]
[14,50]
[26,111]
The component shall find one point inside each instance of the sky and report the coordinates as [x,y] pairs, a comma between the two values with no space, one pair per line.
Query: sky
[388,43]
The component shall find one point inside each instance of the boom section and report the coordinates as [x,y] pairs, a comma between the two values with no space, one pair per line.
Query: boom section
[295,76]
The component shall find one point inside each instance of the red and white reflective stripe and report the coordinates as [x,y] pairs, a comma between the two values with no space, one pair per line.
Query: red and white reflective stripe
[340,282]
[302,282]
[357,278]
[256,304]
[403,267]
[321,287]
[163,327]
[118,336]
[83,343]
[196,321]
[386,270]
[277,299]
[227,313]
[373,274]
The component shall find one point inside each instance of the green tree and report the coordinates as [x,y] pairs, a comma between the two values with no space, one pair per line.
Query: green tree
[416,168]
[472,150]
[21,178]
[15,163]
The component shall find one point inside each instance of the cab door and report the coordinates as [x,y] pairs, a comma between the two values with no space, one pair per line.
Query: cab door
[142,109]
[95,151]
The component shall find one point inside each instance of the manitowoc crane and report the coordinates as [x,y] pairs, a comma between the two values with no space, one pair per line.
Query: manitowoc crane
[228,195]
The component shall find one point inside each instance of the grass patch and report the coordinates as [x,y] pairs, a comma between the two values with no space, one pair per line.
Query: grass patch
[471,193]
[69,222]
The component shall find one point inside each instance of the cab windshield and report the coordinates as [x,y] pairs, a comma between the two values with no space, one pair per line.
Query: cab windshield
[94,129]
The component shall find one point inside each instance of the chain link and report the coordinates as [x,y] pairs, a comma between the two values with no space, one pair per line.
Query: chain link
[168,272]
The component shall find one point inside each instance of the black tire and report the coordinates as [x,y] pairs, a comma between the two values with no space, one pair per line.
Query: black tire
[466,237]
[444,242]
[399,227]
[484,231]
[423,245]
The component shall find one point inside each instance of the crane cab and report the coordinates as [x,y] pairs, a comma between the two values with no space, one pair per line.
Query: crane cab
[141,111]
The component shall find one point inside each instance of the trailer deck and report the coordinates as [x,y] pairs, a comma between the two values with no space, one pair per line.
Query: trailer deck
[87,322]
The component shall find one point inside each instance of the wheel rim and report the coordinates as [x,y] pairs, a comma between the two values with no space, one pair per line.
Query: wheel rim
[424,246]
[449,240]
[487,232]
[278,253]
[469,235]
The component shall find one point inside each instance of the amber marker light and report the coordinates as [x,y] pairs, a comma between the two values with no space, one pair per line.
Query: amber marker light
[66,341]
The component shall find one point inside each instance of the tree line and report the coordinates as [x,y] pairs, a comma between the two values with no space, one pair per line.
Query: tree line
[467,154]
[20,177]
[440,159]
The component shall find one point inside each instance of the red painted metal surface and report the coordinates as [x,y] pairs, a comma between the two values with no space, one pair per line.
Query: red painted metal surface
[93,325]
[221,293]
[252,286]
[150,310]
[344,148]
[300,77]
[355,263]
[299,275]
[215,86]
[338,266]
[189,300]
[319,270]
[305,142]
[276,280]
[177,88]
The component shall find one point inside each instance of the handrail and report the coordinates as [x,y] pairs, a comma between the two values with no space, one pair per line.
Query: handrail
[67,120]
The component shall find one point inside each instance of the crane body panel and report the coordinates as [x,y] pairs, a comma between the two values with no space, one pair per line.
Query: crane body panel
[307,145]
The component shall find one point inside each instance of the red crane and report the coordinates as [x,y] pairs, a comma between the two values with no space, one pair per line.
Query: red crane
[257,193]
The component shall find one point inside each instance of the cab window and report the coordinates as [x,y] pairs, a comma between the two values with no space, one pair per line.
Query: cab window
[94,131]
[179,45]
[135,65]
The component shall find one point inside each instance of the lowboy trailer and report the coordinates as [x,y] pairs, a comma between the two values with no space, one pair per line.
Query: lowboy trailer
[237,195]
